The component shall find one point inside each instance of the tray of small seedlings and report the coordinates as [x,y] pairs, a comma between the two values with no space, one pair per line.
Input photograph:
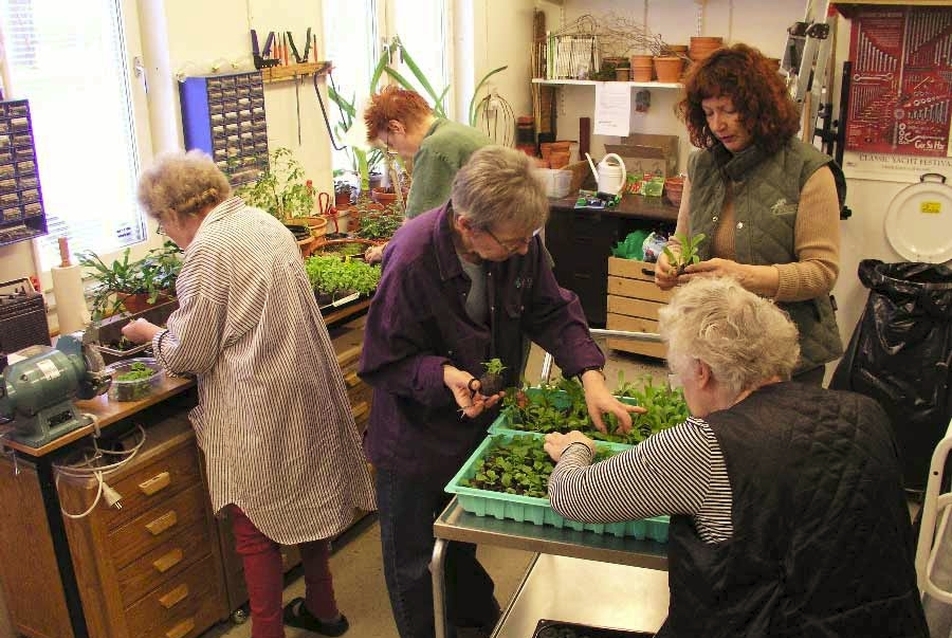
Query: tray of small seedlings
[507,477]
[560,407]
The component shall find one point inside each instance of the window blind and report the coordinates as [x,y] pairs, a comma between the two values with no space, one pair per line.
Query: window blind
[69,60]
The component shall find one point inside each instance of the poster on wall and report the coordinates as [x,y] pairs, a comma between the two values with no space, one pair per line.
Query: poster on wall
[900,96]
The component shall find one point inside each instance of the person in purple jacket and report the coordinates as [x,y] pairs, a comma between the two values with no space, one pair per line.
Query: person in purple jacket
[461,284]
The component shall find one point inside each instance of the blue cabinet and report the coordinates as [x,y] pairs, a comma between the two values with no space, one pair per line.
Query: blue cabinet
[224,116]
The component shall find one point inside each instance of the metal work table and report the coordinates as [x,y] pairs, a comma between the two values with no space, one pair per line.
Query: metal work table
[454,524]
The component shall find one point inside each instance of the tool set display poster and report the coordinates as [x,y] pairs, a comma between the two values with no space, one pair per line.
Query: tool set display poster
[900,97]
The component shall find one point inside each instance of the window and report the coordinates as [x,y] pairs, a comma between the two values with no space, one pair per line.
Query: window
[421,26]
[71,61]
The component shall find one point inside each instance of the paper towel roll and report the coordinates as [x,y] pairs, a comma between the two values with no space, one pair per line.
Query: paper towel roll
[71,310]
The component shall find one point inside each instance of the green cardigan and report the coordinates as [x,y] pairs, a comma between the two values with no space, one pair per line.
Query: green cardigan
[444,149]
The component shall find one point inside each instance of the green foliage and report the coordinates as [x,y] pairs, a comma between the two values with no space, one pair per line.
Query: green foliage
[377,223]
[282,190]
[519,466]
[494,366]
[332,275]
[561,407]
[689,253]
[137,371]
[154,274]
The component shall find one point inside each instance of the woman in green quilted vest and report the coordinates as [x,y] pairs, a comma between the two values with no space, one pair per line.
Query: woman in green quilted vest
[767,204]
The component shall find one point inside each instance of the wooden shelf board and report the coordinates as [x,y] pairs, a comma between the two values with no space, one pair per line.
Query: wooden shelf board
[294,71]
[647,85]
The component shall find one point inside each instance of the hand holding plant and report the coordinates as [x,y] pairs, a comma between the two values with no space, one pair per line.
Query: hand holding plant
[689,251]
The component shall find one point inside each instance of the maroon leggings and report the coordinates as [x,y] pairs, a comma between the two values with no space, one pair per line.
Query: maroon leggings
[264,577]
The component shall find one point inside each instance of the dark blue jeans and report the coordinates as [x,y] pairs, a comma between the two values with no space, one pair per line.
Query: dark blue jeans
[407,507]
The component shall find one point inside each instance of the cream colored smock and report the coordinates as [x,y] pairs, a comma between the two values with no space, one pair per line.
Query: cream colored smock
[273,417]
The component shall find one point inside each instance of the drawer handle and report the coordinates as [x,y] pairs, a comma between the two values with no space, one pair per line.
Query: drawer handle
[174,597]
[168,561]
[360,410]
[181,630]
[351,379]
[155,484]
[162,523]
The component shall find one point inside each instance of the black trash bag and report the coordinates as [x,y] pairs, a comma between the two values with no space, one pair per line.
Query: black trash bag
[900,354]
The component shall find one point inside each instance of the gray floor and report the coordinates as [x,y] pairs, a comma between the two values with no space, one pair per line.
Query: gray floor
[356,562]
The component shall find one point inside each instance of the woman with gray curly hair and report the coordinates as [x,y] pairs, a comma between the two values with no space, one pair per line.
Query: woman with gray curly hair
[282,457]
[788,516]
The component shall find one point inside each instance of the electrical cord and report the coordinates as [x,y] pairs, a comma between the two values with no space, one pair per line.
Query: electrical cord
[90,468]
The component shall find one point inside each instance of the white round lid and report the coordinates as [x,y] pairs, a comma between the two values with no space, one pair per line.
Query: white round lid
[918,222]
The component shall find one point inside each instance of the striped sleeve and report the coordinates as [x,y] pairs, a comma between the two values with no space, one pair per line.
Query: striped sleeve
[678,471]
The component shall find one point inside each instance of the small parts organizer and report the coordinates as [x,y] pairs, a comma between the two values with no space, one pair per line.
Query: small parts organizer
[21,201]
[224,116]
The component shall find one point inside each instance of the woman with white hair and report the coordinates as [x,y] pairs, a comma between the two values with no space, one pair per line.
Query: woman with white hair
[788,516]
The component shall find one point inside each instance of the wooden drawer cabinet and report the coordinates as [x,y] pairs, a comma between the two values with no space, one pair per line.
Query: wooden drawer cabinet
[633,303]
[180,607]
[150,568]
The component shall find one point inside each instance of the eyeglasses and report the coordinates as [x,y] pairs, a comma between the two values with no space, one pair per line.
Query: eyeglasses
[387,148]
[160,228]
[514,245]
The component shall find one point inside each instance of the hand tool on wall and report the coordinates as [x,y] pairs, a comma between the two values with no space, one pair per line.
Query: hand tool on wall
[260,56]
[307,46]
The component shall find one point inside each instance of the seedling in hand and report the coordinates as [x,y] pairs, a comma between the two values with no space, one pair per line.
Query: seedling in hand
[689,254]
[491,381]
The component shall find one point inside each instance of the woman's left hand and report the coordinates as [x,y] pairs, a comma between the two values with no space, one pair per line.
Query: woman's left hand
[600,400]
[556,442]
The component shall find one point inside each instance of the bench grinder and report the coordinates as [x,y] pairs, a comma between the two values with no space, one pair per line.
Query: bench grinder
[37,390]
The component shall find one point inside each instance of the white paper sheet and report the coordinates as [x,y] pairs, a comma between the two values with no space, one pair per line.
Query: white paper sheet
[612,108]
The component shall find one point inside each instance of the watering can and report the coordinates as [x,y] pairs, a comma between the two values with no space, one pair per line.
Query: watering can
[611,175]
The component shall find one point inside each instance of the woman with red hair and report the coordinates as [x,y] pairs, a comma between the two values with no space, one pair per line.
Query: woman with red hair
[767,203]
[401,121]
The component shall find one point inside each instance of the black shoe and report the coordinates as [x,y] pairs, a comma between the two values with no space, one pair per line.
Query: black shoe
[296,614]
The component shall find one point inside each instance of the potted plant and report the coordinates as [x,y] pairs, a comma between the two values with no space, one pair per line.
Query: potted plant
[379,224]
[284,192]
[134,285]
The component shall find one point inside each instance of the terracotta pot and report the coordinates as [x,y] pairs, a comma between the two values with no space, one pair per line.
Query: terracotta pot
[140,301]
[668,69]
[382,197]
[317,224]
[673,188]
[642,67]
[701,47]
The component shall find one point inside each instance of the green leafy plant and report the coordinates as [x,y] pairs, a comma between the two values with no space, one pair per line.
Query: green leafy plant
[517,466]
[153,275]
[491,381]
[689,251]
[561,407]
[282,190]
[380,223]
[334,275]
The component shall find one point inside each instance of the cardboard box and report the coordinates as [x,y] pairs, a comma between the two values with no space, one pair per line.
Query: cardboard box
[648,153]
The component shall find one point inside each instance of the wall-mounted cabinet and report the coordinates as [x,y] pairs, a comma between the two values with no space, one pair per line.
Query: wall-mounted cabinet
[224,116]
[21,201]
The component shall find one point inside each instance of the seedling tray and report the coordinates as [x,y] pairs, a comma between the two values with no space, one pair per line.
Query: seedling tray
[538,511]
[503,424]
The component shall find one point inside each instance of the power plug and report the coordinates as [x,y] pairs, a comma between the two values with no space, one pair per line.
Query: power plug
[113,498]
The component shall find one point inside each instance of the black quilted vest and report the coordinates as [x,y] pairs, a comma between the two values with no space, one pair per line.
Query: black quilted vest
[822,542]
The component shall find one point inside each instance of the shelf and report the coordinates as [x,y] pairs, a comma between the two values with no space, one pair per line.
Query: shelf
[646,85]
[294,71]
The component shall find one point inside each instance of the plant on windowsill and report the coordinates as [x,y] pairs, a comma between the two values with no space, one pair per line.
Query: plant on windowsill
[132,286]
[284,192]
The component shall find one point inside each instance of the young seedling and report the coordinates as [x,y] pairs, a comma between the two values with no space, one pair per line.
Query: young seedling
[689,254]
[491,381]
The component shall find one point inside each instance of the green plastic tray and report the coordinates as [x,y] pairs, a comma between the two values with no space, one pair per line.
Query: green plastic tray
[503,425]
[538,511]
